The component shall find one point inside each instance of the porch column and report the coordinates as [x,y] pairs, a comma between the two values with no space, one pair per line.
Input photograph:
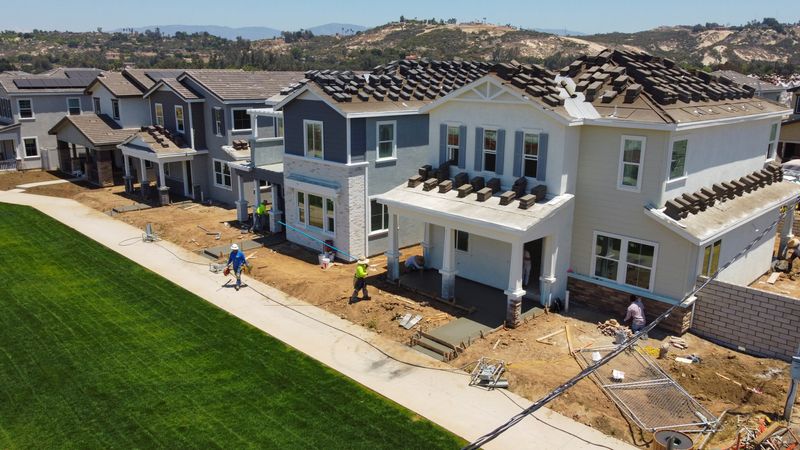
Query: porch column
[163,189]
[448,269]
[514,293]
[143,183]
[393,255]
[426,245]
[786,231]
[128,178]
[257,191]
[548,278]
[275,213]
[241,205]
[187,190]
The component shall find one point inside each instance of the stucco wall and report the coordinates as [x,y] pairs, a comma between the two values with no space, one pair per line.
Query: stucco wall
[133,111]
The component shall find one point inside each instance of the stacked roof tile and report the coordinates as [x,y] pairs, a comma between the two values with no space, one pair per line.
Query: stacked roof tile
[534,79]
[162,140]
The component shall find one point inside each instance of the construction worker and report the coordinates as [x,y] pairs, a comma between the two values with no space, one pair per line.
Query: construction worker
[360,280]
[239,262]
[415,262]
[260,217]
[635,314]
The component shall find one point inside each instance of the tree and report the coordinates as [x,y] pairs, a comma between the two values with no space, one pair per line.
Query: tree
[402,19]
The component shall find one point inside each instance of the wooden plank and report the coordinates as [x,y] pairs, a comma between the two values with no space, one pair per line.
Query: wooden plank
[569,339]
[769,431]
[773,277]
[554,333]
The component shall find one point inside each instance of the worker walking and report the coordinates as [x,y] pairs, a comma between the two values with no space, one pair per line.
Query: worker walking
[260,217]
[360,280]
[636,314]
[239,262]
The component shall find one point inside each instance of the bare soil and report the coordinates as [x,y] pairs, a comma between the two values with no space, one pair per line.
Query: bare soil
[534,368]
[10,180]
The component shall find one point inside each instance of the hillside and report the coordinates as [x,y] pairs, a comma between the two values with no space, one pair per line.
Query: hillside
[760,47]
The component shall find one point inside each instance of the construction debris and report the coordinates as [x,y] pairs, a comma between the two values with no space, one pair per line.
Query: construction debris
[678,342]
[408,322]
[612,328]
[751,389]
[765,435]
[487,374]
[544,339]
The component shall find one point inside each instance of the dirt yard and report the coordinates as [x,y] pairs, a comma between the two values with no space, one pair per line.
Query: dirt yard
[534,368]
[10,180]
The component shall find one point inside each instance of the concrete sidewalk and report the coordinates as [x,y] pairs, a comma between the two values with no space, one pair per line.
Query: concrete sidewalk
[442,396]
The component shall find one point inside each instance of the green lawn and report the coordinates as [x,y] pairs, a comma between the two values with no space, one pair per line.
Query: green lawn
[98,352]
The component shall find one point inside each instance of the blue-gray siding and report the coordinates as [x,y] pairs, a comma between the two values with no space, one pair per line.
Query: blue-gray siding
[358,140]
[334,128]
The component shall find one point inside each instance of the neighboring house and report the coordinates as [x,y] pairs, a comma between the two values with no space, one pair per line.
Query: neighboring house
[762,89]
[789,141]
[30,105]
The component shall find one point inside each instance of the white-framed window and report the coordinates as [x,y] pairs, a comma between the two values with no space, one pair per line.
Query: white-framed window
[624,260]
[379,217]
[96,104]
[773,141]
[115,108]
[711,258]
[530,154]
[387,139]
[677,159]
[159,108]
[240,119]
[180,126]
[222,174]
[316,211]
[489,149]
[313,139]
[148,164]
[453,143]
[30,147]
[25,106]
[74,106]
[5,108]
[631,156]
[461,241]
[279,127]
[218,122]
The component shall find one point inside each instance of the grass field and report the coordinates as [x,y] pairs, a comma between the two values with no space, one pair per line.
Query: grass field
[98,352]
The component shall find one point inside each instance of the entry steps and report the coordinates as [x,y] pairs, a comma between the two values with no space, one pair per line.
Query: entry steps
[433,347]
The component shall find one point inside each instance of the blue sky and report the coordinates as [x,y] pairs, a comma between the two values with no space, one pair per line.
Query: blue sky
[579,15]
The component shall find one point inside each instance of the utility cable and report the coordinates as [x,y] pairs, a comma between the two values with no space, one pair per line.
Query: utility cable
[490,436]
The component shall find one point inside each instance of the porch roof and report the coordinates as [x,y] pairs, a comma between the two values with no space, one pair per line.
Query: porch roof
[716,220]
[154,146]
[467,210]
[7,128]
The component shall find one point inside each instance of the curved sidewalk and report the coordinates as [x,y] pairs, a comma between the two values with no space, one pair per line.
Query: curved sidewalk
[442,396]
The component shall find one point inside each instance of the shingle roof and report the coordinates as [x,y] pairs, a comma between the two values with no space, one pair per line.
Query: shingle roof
[755,83]
[100,130]
[240,85]
[117,84]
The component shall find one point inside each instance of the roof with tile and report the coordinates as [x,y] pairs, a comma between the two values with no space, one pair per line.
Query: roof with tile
[117,83]
[56,81]
[746,80]
[100,130]
[241,85]
[147,78]
[157,139]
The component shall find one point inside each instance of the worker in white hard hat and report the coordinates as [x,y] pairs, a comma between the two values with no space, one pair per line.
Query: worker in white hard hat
[239,262]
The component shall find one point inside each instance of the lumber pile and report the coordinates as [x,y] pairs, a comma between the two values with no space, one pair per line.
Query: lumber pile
[611,326]
[678,342]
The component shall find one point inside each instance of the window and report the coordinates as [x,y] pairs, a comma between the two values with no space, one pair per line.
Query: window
[453,143]
[379,217]
[530,154]
[316,211]
[148,164]
[797,103]
[96,104]
[387,141]
[279,127]
[5,108]
[241,120]
[773,137]
[313,139]
[74,106]
[115,108]
[25,108]
[218,121]
[624,261]
[222,174]
[31,145]
[677,159]
[630,163]
[159,114]
[489,150]
[179,124]
[711,258]
[462,240]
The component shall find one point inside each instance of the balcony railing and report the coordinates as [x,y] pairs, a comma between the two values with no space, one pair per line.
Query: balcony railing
[8,164]
[266,151]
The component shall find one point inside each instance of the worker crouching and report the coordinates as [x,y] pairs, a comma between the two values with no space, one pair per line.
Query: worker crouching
[360,280]
[239,262]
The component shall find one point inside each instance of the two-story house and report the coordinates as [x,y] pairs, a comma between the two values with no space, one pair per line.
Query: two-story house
[789,140]
[30,105]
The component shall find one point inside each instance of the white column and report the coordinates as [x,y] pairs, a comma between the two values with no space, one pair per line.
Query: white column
[393,254]
[187,190]
[448,269]
[548,278]
[128,178]
[127,165]
[162,179]
[257,191]
[275,213]
[426,244]
[241,205]
[786,231]
[142,171]
[514,293]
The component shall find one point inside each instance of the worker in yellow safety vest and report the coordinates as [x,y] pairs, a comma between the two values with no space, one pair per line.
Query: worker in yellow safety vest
[360,280]
[260,217]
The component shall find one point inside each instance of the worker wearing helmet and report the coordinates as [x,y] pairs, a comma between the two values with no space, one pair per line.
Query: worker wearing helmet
[239,262]
[360,280]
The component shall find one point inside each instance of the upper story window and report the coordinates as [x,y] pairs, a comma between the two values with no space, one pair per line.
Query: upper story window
[25,106]
[313,139]
[711,258]
[159,114]
[677,159]
[5,108]
[387,141]
[241,120]
[453,143]
[489,149]
[279,127]
[624,261]
[115,109]
[74,106]
[773,141]
[530,154]
[96,105]
[218,128]
[631,156]
[180,126]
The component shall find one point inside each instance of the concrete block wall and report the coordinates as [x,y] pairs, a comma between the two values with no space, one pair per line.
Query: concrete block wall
[751,320]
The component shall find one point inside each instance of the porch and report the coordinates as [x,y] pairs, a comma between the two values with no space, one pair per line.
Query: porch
[9,137]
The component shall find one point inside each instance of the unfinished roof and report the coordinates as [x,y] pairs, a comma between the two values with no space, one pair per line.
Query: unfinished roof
[100,130]
[746,80]
[240,85]
[56,81]
[116,83]
[157,139]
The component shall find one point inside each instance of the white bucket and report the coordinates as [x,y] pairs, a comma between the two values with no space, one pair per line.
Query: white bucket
[324,261]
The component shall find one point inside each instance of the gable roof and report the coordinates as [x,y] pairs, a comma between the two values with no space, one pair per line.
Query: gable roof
[56,81]
[233,85]
[116,83]
[146,78]
[100,130]
[180,89]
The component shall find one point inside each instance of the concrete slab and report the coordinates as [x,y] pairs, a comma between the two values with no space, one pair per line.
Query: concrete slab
[430,388]
[129,208]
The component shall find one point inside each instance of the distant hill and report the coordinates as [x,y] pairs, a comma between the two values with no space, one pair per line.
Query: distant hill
[250,33]
[560,31]
[330,29]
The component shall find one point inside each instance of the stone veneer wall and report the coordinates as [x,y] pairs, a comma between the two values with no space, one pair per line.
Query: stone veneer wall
[750,320]
[615,303]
